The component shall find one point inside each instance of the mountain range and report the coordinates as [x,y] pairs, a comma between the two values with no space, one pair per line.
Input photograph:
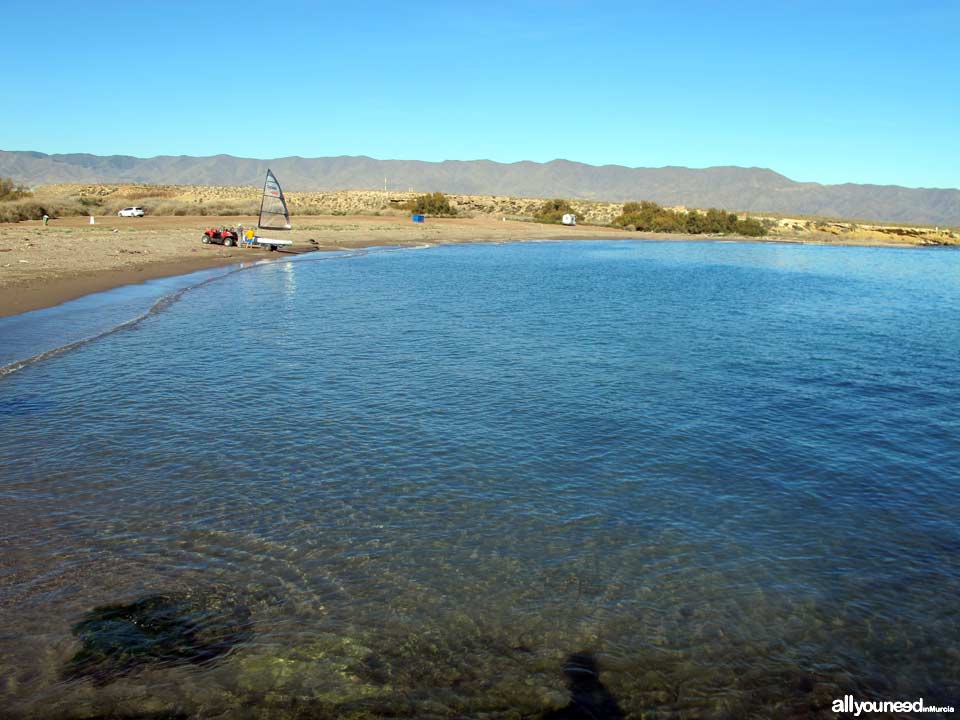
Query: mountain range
[734,188]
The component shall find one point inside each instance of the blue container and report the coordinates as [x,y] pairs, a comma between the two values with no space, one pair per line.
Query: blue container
[419,218]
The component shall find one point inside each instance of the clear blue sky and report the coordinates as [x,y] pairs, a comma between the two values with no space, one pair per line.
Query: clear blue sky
[839,91]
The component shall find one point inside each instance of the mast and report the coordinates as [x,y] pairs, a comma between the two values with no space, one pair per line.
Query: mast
[273,206]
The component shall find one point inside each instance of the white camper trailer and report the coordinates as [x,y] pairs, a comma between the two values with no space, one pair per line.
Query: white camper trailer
[569,219]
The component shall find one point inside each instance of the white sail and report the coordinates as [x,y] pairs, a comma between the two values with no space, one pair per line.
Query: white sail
[273,207]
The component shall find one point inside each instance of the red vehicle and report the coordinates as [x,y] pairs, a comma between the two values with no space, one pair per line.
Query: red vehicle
[220,236]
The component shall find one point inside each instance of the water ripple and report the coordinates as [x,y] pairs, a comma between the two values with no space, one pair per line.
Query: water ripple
[726,471]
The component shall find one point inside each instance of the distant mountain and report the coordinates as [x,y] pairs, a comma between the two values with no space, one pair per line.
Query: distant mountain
[734,188]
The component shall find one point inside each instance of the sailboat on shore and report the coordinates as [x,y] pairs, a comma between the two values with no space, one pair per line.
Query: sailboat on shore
[273,206]
[274,214]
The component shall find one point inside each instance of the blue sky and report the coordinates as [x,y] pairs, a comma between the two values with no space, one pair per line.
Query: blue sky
[841,91]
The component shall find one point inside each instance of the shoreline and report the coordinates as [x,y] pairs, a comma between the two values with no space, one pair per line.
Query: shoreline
[26,298]
[42,267]
[71,259]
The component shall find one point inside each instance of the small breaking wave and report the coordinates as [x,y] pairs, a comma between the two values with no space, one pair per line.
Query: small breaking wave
[170,298]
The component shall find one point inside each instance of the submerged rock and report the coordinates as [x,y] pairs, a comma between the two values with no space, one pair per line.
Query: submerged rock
[157,631]
[589,698]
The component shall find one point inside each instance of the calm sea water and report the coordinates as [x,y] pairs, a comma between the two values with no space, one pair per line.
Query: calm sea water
[412,483]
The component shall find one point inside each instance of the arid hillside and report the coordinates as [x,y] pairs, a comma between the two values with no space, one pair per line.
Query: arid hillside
[219,200]
[758,190]
[100,199]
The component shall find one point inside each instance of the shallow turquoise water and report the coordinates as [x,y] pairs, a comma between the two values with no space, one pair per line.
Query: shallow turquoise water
[730,471]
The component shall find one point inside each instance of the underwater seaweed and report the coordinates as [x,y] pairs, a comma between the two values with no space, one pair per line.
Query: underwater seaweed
[157,631]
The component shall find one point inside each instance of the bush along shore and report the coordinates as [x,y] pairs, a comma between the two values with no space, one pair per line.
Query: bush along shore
[647,216]
[650,217]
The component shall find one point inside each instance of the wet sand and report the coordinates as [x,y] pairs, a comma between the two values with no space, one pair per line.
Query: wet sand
[45,266]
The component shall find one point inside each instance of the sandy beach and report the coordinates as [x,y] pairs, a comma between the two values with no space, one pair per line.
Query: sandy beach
[45,266]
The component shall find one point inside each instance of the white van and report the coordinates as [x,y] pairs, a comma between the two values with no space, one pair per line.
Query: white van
[131,212]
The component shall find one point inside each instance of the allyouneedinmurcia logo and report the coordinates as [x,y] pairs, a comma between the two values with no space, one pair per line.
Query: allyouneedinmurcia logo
[848,705]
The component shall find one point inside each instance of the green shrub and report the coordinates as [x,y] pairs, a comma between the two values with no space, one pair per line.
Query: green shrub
[435,204]
[9,190]
[22,210]
[552,211]
[751,227]
[650,217]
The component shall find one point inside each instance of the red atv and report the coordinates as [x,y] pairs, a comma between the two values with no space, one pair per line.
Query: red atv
[221,236]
